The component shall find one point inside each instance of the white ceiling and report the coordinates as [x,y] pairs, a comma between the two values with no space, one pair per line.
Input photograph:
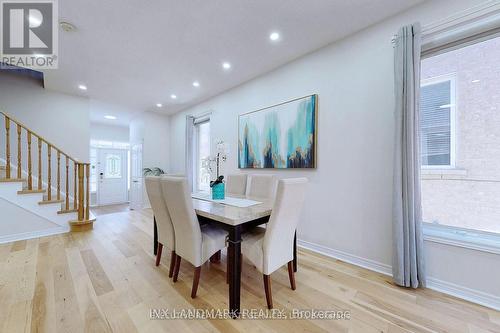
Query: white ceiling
[137,53]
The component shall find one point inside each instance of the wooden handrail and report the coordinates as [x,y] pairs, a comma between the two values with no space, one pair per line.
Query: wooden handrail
[81,181]
[6,115]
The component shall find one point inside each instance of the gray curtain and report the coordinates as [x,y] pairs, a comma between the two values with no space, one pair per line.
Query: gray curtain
[189,150]
[408,258]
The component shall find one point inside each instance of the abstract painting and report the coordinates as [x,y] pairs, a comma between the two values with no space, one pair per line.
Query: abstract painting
[282,136]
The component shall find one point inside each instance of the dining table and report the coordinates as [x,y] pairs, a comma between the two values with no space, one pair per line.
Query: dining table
[236,220]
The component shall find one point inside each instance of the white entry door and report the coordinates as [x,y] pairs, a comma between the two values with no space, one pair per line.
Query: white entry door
[136,186]
[112,176]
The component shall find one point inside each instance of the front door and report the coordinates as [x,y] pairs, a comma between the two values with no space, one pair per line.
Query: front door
[112,176]
[136,187]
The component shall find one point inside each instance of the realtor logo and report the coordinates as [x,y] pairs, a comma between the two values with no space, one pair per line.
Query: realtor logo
[28,36]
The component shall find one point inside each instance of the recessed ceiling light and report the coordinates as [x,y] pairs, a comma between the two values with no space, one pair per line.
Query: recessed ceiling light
[173,96]
[274,36]
[159,105]
[226,65]
[110,117]
[196,84]
[82,87]
[475,81]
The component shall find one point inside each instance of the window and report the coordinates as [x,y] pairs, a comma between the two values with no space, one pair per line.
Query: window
[437,105]
[202,155]
[113,168]
[460,138]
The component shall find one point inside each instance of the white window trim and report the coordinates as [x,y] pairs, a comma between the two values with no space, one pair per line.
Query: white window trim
[453,111]
[197,122]
[461,237]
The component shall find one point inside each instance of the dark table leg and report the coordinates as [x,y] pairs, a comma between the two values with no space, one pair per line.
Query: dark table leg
[155,236]
[295,252]
[234,254]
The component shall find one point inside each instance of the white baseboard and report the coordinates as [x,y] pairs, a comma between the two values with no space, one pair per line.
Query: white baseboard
[344,256]
[33,234]
[471,295]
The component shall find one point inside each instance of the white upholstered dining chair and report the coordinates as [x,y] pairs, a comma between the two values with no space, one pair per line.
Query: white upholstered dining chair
[193,243]
[236,185]
[269,249]
[166,236]
[261,186]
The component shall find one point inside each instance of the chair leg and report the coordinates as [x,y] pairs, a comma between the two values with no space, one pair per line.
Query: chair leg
[176,267]
[291,275]
[173,258]
[158,254]
[267,288]
[196,281]
[215,258]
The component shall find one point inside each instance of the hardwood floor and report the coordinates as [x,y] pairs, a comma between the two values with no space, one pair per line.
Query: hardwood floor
[111,209]
[105,280]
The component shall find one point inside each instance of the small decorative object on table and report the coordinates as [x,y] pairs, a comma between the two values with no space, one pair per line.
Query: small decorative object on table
[217,186]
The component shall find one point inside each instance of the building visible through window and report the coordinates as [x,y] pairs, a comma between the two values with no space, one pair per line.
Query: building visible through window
[460,137]
[435,122]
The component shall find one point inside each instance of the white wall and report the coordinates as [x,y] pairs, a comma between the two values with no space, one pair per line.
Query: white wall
[62,119]
[348,207]
[109,133]
[33,225]
[153,130]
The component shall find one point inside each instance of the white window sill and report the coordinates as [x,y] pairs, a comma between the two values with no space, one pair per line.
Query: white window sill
[443,173]
[469,239]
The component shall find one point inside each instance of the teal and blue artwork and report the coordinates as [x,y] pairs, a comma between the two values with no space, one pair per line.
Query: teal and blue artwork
[282,136]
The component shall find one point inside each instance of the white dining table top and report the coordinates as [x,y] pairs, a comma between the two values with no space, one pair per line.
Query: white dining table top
[230,214]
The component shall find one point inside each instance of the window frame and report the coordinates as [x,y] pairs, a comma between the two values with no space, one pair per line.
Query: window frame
[196,146]
[453,111]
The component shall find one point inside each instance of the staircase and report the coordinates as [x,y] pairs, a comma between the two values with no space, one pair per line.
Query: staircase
[35,187]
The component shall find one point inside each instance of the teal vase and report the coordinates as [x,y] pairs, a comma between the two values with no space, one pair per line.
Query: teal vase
[218,191]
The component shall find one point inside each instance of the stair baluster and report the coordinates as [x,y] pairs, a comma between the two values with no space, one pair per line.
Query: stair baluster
[49,173]
[40,163]
[19,166]
[75,203]
[81,215]
[87,207]
[7,148]
[67,183]
[30,171]
[58,175]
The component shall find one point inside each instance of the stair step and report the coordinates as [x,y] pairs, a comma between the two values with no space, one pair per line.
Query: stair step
[12,180]
[48,202]
[64,211]
[30,191]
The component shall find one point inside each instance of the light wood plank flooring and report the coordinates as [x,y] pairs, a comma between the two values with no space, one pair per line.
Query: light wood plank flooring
[110,209]
[105,281]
